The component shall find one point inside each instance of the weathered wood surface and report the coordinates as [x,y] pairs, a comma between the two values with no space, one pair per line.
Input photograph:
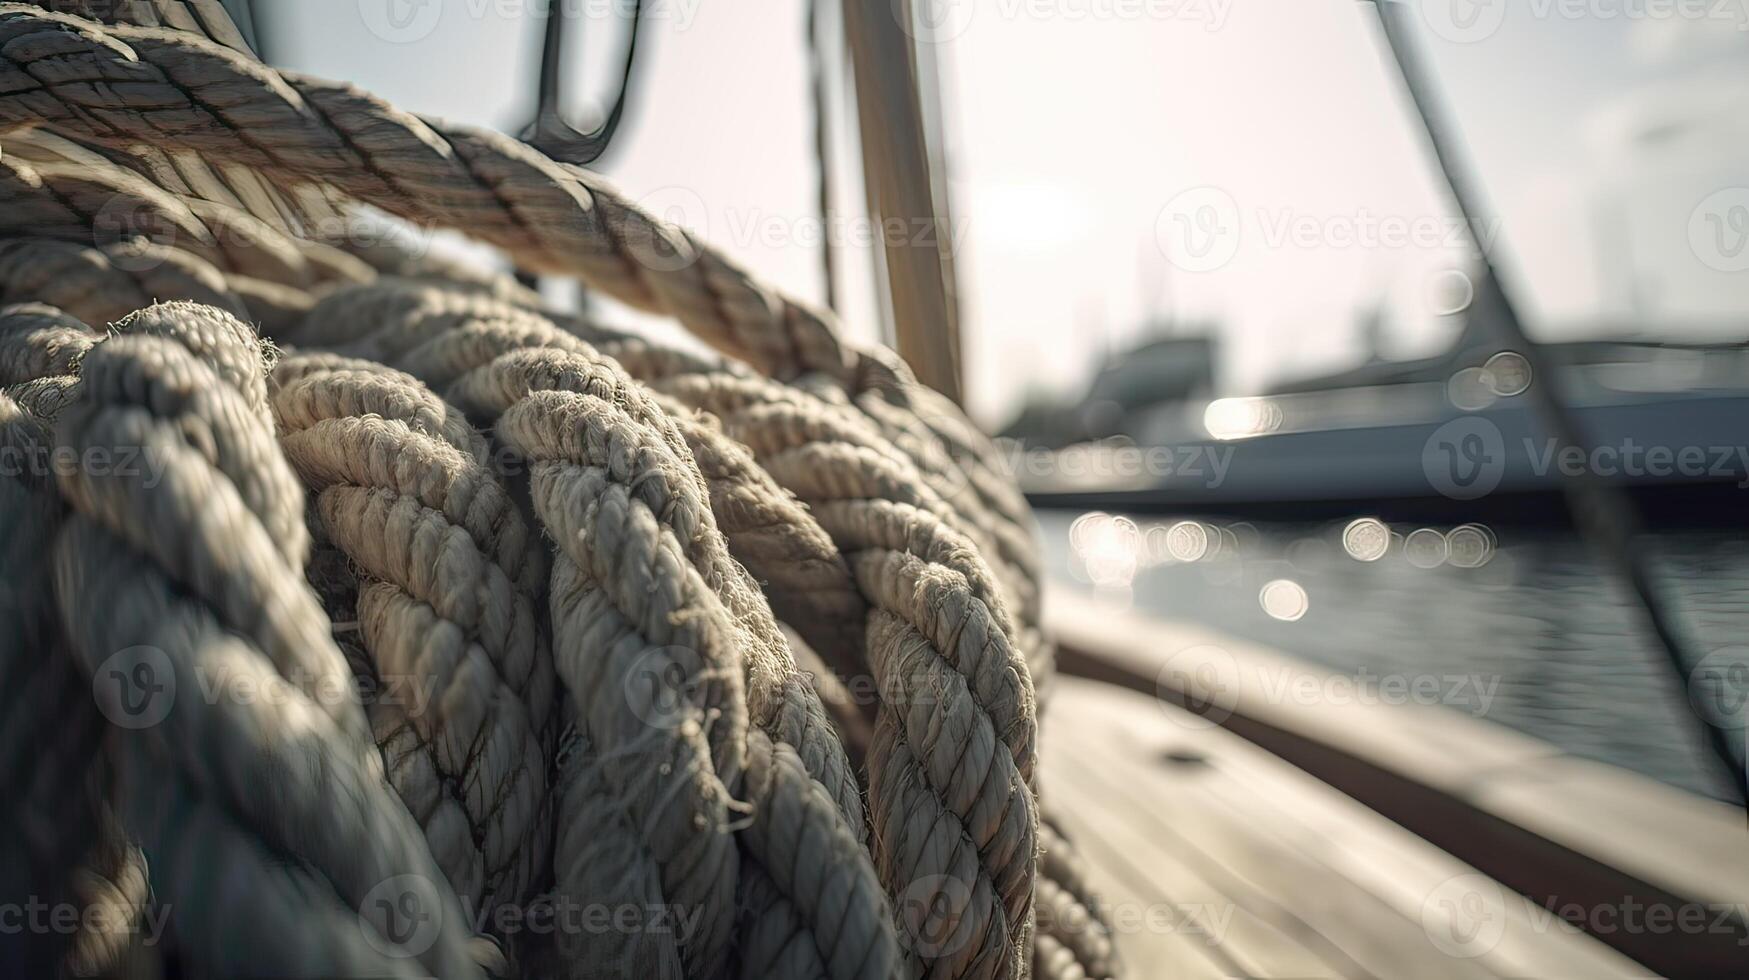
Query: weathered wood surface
[1684,844]
[1217,859]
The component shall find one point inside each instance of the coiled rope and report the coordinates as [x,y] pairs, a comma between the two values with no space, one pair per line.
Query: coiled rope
[593,593]
[123,85]
[205,570]
[446,607]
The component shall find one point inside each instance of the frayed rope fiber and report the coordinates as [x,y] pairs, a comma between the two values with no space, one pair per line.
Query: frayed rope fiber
[375,620]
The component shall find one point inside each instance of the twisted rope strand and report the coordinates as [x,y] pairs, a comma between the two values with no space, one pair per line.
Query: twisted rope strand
[492,355]
[551,217]
[208,592]
[700,770]
[103,285]
[37,341]
[421,515]
[506,381]
[1074,940]
[50,730]
[88,199]
[594,460]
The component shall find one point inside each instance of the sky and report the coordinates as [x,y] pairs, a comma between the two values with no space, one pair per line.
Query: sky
[1120,166]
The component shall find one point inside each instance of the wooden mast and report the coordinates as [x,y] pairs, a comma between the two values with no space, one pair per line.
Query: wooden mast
[902,196]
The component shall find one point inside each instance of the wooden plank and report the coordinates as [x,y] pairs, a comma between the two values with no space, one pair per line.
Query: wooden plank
[1683,844]
[1401,872]
[1694,847]
[1341,930]
[1356,894]
[1123,882]
[1202,912]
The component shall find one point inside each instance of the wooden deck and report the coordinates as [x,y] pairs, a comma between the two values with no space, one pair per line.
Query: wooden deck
[1217,859]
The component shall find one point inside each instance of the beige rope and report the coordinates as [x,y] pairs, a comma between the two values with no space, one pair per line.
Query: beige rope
[823,452]
[488,390]
[440,335]
[850,483]
[103,285]
[201,568]
[703,771]
[762,526]
[659,694]
[549,216]
[447,608]
[112,886]
[49,728]
[56,188]
[1073,938]
[189,92]
[389,257]
[813,906]
[39,341]
[593,864]
[488,354]
[626,509]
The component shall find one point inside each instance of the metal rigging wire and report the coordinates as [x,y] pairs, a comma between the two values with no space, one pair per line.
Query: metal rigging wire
[821,95]
[1601,511]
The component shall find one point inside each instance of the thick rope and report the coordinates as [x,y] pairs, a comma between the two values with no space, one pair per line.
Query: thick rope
[56,189]
[592,864]
[548,216]
[851,486]
[950,790]
[627,508]
[822,451]
[103,285]
[49,728]
[1073,937]
[554,218]
[181,90]
[201,568]
[809,875]
[440,335]
[39,341]
[487,355]
[857,495]
[1007,847]
[446,608]
[659,694]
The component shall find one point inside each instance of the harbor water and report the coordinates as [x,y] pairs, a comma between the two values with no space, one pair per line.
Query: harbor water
[1549,644]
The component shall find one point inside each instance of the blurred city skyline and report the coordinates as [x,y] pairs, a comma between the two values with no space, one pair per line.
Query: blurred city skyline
[1083,134]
